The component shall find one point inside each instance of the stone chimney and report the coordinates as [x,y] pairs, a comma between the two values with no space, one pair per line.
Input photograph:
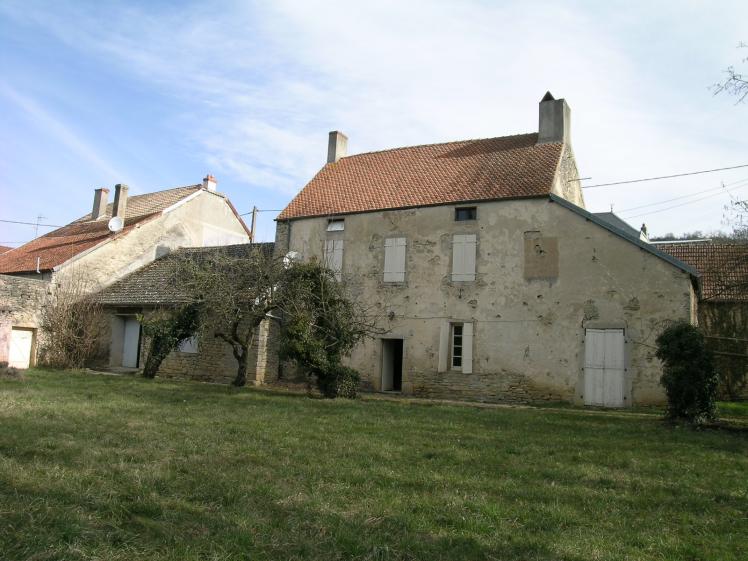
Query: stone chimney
[555,120]
[337,146]
[101,198]
[209,183]
[120,201]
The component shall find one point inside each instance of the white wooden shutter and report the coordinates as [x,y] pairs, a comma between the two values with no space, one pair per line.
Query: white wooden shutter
[463,257]
[334,256]
[443,346]
[394,259]
[467,348]
[604,367]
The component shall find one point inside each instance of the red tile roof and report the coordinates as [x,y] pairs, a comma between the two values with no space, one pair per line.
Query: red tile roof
[4,248]
[469,170]
[723,267]
[62,244]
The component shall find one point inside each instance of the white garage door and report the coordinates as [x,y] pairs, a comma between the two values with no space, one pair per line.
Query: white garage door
[21,343]
[604,367]
[131,345]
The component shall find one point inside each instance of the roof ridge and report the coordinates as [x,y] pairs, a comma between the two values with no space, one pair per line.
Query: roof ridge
[428,145]
[199,185]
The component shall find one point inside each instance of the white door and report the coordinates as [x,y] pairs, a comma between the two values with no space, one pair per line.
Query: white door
[131,343]
[21,342]
[604,367]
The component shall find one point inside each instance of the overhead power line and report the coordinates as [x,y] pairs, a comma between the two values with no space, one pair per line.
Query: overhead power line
[659,177]
[721,188]
[31,223]
[262,210]
[681,204]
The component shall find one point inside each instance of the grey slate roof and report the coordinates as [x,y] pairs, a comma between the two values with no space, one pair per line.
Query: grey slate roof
[614,220]
[157,284]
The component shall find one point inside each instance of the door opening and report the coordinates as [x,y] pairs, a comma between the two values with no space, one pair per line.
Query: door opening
[131,343]
[392,365]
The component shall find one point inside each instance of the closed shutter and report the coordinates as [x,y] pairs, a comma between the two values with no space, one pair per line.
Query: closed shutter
[394,259]
[443,346]
[463,257]
[334,256]
[467,348]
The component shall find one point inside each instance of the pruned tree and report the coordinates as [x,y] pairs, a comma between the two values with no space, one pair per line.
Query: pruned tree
[735,82]
[166,329]
[321,325]
[235,293]
[72,322]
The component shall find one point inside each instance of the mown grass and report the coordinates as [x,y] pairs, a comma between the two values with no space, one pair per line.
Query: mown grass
[100,467]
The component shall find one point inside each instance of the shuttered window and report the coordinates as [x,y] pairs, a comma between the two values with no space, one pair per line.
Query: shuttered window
[463,257]
[334,256]
[394,259]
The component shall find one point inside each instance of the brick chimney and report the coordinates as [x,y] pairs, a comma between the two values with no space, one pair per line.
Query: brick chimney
[337,147]
[120,201]
[555,120]
[209,183]
[101,198]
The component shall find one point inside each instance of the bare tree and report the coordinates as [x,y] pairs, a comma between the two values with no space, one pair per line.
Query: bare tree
[235,293]
[72,322]
[736,83]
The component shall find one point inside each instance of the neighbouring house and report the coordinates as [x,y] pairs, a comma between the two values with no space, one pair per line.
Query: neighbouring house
[106,244]
[156,286]
[492,280]
[723,297]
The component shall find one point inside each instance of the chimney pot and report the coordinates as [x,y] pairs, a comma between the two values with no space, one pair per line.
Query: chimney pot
[554,120]
[120,201]
[209,183]
[101,198]
[337,147]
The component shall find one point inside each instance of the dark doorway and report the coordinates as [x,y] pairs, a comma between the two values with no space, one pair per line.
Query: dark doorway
[392,365]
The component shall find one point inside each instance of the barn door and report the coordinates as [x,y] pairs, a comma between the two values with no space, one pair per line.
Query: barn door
[604,367]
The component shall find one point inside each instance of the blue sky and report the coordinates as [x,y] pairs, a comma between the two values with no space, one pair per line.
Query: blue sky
[156,95]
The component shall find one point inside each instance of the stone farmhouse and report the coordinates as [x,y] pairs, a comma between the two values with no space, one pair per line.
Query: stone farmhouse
[103,246]
[493,281]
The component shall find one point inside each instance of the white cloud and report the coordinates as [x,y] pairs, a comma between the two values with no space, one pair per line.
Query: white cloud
[266,83]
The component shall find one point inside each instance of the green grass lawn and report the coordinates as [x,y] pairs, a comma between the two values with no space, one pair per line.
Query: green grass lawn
[111,468]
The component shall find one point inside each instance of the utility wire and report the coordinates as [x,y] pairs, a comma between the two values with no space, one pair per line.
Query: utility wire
[31,223]
[724,187]
[679,205]
[660,177]
[263,210]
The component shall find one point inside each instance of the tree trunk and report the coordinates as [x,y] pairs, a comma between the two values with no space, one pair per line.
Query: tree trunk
[241,371]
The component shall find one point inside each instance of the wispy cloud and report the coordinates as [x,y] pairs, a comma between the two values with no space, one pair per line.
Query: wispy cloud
[263,83]
[72,140]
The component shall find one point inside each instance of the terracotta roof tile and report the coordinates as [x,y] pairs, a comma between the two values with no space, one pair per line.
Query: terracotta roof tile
[60,245]
[723,268]
[4,249]
[469,170]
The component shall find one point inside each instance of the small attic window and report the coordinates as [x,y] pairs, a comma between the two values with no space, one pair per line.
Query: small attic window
[466,213]
[336,225]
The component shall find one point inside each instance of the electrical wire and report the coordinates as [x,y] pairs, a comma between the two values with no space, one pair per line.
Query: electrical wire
[722,187]
[680,205]
[31,223]
[660,177]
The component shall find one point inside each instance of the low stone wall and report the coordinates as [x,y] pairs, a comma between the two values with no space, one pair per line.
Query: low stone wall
[21,302]
[491,387]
